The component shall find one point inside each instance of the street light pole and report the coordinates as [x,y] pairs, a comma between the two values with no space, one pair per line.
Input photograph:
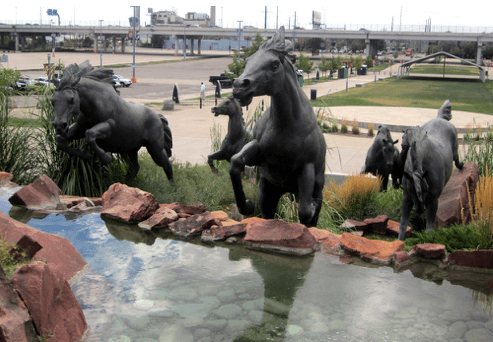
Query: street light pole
[239,38]
[134,19]
[100,43]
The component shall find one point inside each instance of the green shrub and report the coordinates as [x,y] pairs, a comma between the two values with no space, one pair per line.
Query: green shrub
[480,152]
[8,261]
[455,237]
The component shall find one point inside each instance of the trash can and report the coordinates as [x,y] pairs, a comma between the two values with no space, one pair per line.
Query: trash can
[342,73]
[313,94]
[300,79]
[363,70]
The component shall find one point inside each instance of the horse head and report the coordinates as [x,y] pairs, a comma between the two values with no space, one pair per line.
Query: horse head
[265,70]
[229,107]
[65,100]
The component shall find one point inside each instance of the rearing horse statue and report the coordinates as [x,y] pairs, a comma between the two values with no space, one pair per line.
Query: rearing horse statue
[106,121]
[287,145]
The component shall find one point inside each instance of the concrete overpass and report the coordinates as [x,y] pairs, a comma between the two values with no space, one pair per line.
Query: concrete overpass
[19,32]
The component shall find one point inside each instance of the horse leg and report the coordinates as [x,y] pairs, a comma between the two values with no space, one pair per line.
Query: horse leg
[74,133]
[269,196]
[133,159]
[306,186]
[431,214]
[247,156]
[100,131]
[318,197]
[407,205]
[218,155]
[385,182]
[160,157]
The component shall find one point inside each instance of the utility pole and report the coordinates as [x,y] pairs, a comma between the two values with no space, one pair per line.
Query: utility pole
[239,38]
[100,43]
[265,24]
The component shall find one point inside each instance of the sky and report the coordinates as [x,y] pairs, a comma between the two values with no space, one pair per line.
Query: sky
[354,14]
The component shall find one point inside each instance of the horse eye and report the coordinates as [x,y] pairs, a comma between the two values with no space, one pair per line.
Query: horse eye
[275,66]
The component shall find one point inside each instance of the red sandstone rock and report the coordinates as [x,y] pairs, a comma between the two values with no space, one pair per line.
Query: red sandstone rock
[344,259]
[320,235]
[429,250]
[72,201]
[5,177]
[250,220]
[42,194]
[479,259]
[400,257]
[162,217]
[281,236]
[378,224]
[27,245]
[453,204]
[50,301]
[374,250]
[193,225]
[127,204]
[357,224]
[218,233]
[220,215]
[186,209]
[393,229]
[15,323]
[56,250]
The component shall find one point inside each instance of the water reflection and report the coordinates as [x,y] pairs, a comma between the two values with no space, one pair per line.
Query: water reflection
[149,286]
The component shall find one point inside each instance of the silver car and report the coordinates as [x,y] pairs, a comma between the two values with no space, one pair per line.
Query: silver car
[125,82]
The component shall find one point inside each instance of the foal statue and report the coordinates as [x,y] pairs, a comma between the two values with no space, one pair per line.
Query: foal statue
[106,121]
[287,145]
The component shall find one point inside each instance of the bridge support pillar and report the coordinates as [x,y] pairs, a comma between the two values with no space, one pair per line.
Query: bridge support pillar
[192,42]
[199,45]
[16,39]
[176,44]
[123,44]
[479,52]
[184,46]
[113,41]
[95,43]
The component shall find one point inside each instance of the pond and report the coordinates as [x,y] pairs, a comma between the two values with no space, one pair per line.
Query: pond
[146,287]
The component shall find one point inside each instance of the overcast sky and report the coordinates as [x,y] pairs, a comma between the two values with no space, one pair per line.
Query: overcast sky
[334,14]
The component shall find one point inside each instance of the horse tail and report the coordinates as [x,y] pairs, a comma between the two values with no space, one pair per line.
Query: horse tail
[446,111]
[168,138]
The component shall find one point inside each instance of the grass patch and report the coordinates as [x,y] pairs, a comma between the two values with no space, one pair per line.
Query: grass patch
[8,262]
[466,95]
[437,69]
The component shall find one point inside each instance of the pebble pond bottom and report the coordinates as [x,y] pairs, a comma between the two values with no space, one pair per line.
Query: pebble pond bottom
[147,288]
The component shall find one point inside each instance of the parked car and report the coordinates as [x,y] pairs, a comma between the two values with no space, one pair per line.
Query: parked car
[224,80]
[116,82]
[125,82]
[21,83]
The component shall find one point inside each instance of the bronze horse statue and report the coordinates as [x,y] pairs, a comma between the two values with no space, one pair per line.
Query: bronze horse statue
[236,137]
[288,145]
[106,121]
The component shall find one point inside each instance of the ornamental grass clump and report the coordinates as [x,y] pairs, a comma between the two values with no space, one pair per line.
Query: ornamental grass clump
[344,128]
[355,127]
[354,198]
[483,203]
[371,128]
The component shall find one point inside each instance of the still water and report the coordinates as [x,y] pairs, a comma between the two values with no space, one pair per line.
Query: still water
[149,287]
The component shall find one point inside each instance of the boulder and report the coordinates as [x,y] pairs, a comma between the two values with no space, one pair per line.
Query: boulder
[73,201]
[353,225]
[378,224]
[15,323]
[479,259]
[5,178]
[250,220]
[42,194]
[277,235]
[393,229]
[374,250]
[186,209]
[162,217]
[219,233]
[401,257]
[453,204]
[27,245]
[56,250]
[50,301]
[332,244]
[194,225]
[128,204]
[429,250]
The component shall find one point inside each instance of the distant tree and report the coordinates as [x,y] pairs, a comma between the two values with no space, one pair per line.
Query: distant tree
[358,62]
[324,65]
[157,40]
[335,64]
[236,68]
[382,45]
[87,42]
[238,64]
[369,61]
[304,64]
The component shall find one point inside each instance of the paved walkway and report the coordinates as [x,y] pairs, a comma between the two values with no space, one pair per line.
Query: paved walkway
[191,126]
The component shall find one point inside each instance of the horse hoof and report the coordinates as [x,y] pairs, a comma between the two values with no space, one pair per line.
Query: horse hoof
[248,208]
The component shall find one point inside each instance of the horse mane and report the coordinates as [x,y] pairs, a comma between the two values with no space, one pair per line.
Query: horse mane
[74,72]
[281,46]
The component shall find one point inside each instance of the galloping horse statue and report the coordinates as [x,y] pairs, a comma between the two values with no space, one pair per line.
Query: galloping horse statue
[109,123]
[288,145]
[236,137]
